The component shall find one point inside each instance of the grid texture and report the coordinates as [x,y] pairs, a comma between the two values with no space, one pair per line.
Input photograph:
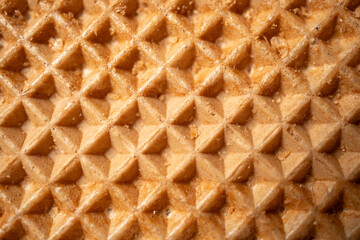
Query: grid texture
[180,119]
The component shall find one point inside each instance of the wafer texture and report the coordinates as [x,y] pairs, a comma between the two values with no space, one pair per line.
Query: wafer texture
[181,119]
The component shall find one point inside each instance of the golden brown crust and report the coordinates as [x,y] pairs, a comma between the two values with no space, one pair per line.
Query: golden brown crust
[179,119]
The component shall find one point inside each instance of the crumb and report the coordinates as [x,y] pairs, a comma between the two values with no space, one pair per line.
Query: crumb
[193,132]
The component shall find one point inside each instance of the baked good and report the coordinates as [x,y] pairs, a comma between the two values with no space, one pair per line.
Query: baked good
[180,119]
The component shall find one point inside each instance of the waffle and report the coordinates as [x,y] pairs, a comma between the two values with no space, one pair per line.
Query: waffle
[179,119]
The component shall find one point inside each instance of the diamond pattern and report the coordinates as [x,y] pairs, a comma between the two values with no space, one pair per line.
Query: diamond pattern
[144,119]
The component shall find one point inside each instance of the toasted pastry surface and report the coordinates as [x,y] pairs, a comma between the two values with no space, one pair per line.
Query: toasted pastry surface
[179,119]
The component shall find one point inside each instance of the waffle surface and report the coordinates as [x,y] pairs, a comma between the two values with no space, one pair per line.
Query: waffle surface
[181,119]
